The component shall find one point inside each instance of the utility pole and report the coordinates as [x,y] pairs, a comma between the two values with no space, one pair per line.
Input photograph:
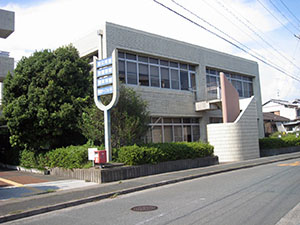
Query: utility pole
[297,36]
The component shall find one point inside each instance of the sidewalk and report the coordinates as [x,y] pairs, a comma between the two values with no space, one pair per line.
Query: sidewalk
[29,206]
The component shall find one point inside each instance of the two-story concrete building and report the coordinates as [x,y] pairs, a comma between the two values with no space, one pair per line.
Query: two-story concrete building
[180,81]
[7,26]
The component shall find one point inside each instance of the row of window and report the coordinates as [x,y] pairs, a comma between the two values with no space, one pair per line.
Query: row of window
[154,72]
[243,84]
[173,130]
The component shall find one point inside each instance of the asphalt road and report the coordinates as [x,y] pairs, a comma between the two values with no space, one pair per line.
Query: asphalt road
[259,195]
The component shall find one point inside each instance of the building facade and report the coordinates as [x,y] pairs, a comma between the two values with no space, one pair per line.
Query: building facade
[175,78]
[7,26]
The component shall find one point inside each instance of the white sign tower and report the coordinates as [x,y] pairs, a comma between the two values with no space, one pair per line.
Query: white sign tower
[106,82]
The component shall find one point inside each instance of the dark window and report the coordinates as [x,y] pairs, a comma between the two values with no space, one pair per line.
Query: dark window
[153,61]
[165,80]
[154,74]
[131,73]
[143,59]
[174,64]
[122,71]
[164,63]
[130,56]
[174,79]
[143,75]
[184,80]
[183,66]
[193,81]
[121,55]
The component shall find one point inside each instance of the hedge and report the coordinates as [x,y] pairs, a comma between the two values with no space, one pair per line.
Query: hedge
[160,152]
[288,140]
[69,157]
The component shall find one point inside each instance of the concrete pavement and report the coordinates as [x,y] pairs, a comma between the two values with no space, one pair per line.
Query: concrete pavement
[28,206]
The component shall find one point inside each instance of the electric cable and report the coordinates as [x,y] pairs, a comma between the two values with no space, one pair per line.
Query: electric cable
[226,40]
[289,11]
[257,34]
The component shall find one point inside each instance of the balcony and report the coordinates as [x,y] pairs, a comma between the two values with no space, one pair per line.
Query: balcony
[7,23]
[6,64]
[212,99]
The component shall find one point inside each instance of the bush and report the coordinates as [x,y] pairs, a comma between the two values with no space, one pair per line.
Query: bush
[159,152]
[68,157]
[286,140]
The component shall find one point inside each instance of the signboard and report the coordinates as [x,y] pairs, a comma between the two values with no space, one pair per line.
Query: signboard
[91,152]
[106,82]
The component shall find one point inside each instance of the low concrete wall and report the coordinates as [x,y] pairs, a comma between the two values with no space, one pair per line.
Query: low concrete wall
[278,151]
[126,172]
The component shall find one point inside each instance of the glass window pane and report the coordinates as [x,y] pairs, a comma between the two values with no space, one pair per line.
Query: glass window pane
[156,120]
[187,135]
[164,63]
[168,133]
[192,68]
[153,60]
[184,80]
[154,74]
[131,73]
[177,133]
[167,120]
[193,81]
[186,120]
[157,134]
[143,75]
[176,120]
[196,133]
[121,55]
[183,66]
[238,86]
[174,79]
[194,120]
[130,56]
[165,80]
[174,64]
[122,71]
[143,59]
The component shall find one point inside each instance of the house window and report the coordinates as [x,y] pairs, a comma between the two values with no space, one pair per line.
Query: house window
[154,72]
[298,112]
[173,130]
[242,83]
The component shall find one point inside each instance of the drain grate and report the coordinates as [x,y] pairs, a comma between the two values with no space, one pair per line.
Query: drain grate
[144,208]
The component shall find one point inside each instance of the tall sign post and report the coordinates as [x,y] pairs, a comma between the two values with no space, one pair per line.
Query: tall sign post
[106,82]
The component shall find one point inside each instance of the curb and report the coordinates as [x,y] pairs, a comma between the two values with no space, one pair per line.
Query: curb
[244,165]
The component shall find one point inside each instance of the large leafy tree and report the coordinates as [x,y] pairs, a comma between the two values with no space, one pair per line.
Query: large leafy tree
[44,99]
[129,120]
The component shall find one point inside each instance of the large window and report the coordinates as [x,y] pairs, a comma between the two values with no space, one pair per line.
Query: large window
[173,130]
[242,83]
[154,72]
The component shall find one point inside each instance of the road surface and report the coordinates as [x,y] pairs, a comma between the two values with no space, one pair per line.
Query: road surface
[255,196]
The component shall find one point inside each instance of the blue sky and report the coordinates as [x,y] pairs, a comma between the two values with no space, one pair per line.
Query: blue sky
[42,24]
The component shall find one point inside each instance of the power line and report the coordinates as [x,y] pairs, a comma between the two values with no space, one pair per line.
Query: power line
[257,34]
[278,10]
[226,40]
[289,10]
[275,17]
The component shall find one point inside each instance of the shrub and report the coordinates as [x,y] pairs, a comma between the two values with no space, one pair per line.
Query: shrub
[288,140]
[159,152]
[68,157]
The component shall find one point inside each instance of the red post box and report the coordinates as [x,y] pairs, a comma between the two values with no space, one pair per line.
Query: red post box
[100,156]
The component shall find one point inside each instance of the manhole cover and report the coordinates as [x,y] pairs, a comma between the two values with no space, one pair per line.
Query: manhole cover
[144,208]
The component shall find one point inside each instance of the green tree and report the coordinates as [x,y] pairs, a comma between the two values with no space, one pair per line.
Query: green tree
[44,99]
[129,120]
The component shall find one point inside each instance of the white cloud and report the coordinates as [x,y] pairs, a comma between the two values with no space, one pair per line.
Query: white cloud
[54,23]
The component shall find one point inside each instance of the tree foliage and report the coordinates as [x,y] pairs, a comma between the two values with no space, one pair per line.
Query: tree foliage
[44,99]
[129,120]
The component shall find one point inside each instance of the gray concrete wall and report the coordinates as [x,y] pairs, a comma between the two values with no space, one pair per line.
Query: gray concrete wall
[7,23]
[6,64]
